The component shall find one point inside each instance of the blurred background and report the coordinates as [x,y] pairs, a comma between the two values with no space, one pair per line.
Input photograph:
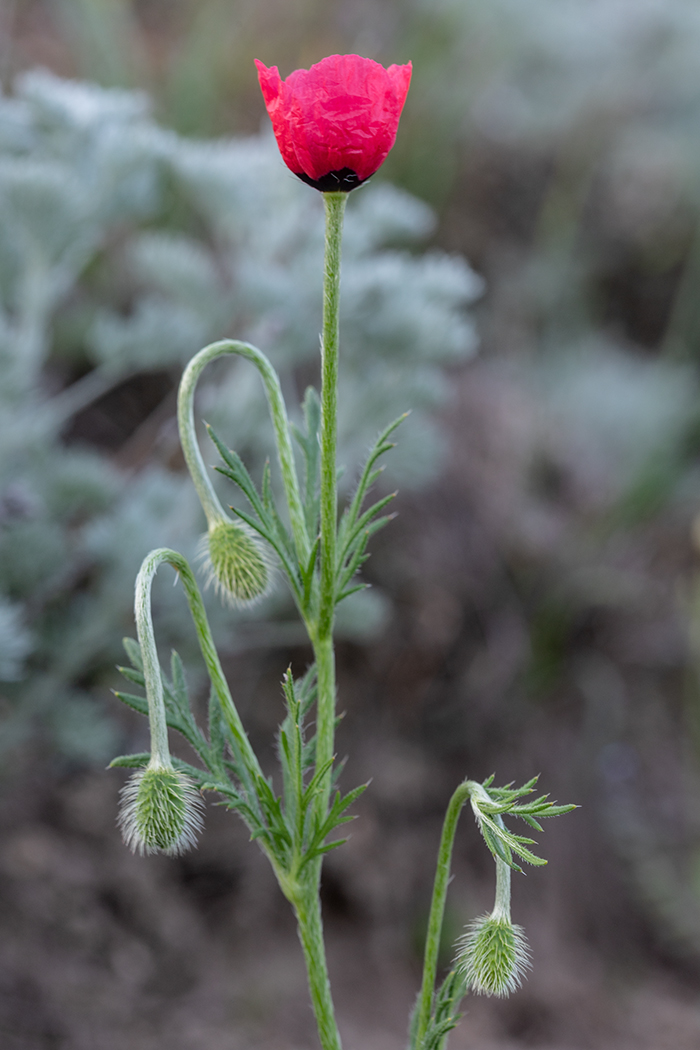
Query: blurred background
[523,275]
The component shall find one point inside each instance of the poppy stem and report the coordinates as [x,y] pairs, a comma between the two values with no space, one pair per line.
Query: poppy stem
[151,667]
[323,634]
[335,210]
[308,911]
[424,1006]
[278,413]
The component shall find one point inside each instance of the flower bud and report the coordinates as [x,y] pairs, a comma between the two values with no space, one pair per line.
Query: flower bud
[335,122]
[493,955]
[236,563]
[160,811]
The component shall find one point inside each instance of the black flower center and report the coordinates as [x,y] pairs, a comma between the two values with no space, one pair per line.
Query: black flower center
[345,179]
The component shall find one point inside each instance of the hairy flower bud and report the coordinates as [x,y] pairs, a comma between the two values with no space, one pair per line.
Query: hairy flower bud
[160,811]
[236,563]
[493,955]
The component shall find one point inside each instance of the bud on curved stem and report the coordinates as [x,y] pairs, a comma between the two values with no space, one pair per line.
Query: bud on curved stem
[211,505]
[160,753]
[161,810]
[493,954]
[160,750]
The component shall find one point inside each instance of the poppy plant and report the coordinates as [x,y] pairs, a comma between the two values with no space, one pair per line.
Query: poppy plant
[335,122]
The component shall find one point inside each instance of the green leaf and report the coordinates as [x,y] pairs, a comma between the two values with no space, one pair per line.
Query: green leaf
[310,446]
[132,676]
[335,816]
[351,590]
[307,575]
[217,735]
[238,474]
[133,651]
[131,761]
[367,478]
[179,685]
[138,703]
[363,521]
[178,715]
[200,776]
[273,520]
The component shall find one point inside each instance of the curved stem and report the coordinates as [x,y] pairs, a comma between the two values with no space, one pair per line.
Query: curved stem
[278,412]
[437,908]
[160,750]
[151,666]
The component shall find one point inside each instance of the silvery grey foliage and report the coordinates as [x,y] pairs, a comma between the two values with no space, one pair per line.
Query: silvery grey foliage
[123,249]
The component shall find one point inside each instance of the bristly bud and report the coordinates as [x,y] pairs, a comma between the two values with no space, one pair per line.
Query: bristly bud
[236,563]
[493,955]
[161,811]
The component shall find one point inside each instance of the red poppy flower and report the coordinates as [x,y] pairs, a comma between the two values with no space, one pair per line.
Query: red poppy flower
[335,122]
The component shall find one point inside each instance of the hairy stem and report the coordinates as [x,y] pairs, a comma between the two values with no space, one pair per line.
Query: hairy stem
[160,750]
[308,909]
[437,908]
[323,640]
[188,437]
[308,913]
[335,208]
[151,666]
[501,908]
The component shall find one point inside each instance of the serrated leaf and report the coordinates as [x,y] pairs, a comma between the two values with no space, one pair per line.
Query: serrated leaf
[238,473]
[367,476]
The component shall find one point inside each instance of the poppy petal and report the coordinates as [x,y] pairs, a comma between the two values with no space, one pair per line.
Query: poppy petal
[335,122]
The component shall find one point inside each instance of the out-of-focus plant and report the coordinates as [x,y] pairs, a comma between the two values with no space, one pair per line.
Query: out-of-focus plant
[122,248]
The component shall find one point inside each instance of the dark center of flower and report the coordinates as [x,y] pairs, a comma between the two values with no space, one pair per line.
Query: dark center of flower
[345,179]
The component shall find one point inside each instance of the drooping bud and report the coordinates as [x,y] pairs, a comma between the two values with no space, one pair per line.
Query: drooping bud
[236,563]
[161,811]
[493,955]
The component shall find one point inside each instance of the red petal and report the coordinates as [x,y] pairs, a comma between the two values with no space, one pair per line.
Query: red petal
[273,89]
[341,113]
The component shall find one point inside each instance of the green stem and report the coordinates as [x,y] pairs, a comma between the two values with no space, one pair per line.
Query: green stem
[188,437]
[307,905]
[335,209]
[308,913]
[151,666]
[323,634]
[437,908]
[501,908]
[160,750]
